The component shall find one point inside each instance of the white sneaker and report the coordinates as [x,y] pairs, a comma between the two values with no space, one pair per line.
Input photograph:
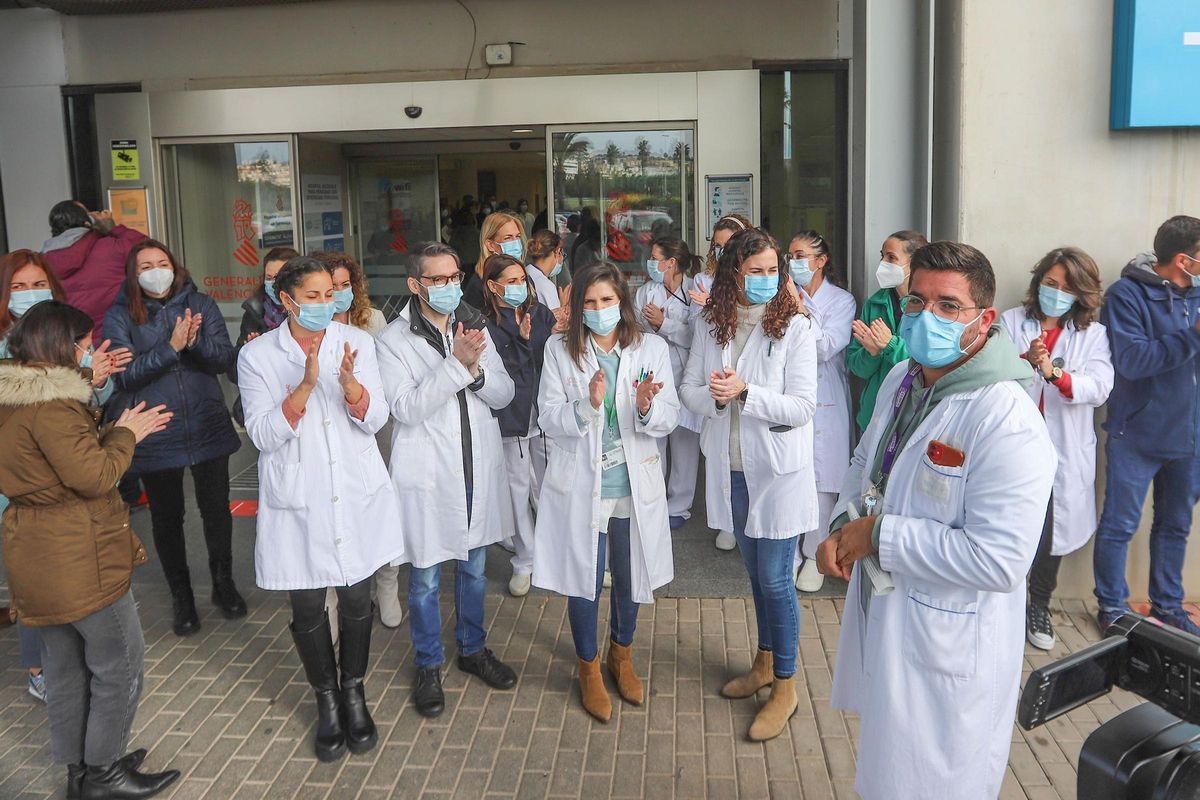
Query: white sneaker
[518,585]
[607,579]
[809,578]
[726,540]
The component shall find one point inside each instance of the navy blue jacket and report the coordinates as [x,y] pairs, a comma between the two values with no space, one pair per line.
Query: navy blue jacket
[1155,401]
[186,382]
[523,361]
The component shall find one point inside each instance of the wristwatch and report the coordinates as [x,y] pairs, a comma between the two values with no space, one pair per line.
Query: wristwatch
[1055,374]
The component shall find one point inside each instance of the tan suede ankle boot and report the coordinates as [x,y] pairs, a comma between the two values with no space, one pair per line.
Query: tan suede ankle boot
[760,675]
[620,666]
[773,717]
[592,690]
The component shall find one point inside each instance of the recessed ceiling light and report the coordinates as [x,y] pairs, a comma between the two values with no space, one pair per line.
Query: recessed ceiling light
[522,130]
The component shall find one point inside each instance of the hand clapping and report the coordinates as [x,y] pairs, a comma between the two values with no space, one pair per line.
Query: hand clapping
[646,392]
[468,348]
[725,386]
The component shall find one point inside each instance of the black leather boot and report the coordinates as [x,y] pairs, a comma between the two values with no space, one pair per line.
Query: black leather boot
[119,781]
[75,772]
[316,653]
[225,595]
[186,620]
[354,645]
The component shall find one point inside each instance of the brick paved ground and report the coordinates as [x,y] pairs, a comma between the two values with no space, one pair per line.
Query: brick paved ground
[229,707]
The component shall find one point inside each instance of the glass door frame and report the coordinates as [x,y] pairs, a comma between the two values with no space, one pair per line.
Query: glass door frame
[168,223]
[688,124]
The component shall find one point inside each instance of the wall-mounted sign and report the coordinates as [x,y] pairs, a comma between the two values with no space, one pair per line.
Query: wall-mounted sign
[1155,64]
[130,207]
[125,160]
[728,194]
[321,198]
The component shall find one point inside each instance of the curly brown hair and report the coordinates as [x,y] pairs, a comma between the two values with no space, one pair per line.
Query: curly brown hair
[361,307]
[1083,281]
[726,294]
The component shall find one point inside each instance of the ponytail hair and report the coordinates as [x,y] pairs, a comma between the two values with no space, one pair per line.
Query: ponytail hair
[676,248]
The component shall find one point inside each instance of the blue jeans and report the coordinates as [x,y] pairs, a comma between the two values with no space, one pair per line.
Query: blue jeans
[769,563]
[425,617]
[622,620]
[1130,474]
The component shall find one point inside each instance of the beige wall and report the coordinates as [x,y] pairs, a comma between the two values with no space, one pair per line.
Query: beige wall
[372,40]
[1039,167]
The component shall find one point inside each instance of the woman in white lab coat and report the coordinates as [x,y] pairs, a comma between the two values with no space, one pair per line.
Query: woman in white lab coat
[833,310]
[1057,330]
[313,401]
[752,376]
[664,307]
[607,395]
[702,283]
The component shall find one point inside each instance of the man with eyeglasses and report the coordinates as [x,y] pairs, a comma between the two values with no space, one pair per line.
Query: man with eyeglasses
[1153,319]
[947,493]
[443,379]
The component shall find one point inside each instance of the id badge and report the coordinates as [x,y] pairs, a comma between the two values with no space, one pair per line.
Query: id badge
[613,457]
[871,501]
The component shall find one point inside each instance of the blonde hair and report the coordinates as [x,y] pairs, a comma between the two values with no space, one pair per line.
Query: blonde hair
[491,224]
[730,222]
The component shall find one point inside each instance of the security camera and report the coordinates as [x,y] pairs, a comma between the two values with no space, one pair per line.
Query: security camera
[413,111]
[514,145]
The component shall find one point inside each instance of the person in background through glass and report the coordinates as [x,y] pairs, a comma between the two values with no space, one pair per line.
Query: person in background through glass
[877,346]
[1057,332]
[820,291]
[180,345]
[261,312]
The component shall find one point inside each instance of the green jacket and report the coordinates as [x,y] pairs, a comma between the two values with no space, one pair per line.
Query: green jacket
[873,369]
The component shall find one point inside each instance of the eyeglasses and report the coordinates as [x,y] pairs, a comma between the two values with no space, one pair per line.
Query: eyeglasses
[912,306]
[441,280]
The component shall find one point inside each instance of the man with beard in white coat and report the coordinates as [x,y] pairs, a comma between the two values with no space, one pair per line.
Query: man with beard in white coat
[443,379]
[933,667]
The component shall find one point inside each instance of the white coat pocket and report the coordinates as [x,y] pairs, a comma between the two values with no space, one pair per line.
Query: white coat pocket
[283,485]
[410,468]
[941,635]
[374,472]
[560,468]
[940,487]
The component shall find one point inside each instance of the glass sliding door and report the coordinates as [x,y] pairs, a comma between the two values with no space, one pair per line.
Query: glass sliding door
[803,128]
[615,189]
[226,203]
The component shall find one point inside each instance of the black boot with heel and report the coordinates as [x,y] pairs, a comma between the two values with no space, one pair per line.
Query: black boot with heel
[316,653]
[354,644]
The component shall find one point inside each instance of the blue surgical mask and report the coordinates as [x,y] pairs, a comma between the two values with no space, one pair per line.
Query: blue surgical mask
[557,269]
[933,341]
[444,299]
[85,361]
[1195,278]
[601,322]
[1054,302]
[342,299]
[22,301]
[314,316]
[512,248]
[653,271]
[269,288]
[802,274]
[761,288]
[515,294]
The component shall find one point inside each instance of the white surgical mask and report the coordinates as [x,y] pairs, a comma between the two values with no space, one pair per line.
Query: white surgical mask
[889,275]
[157,280]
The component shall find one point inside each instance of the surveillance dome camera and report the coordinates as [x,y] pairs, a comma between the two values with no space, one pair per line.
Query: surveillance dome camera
[514,145]
[413,111]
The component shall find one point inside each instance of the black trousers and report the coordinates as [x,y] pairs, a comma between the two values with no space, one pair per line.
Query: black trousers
[354,602]
[1043,573]
[164,490]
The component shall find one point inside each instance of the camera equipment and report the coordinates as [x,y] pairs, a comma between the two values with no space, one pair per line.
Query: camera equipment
[1151,751]
[413,111]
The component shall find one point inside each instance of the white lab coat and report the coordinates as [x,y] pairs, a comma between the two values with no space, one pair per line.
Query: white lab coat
[569,511]
[676,330]
[934,667]
[776,428]
[1085,355]
[422,389]
[543,285]
[833,310]
[327,514]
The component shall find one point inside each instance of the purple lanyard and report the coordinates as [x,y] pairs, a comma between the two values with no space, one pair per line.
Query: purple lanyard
[893,445]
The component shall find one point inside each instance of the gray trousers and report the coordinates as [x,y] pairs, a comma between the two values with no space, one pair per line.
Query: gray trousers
[95,668]
[31,646]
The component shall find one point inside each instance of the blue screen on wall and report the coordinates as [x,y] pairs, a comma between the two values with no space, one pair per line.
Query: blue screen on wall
[1156,64]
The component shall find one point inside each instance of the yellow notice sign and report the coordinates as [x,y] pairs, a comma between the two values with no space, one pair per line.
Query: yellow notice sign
[125,160]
